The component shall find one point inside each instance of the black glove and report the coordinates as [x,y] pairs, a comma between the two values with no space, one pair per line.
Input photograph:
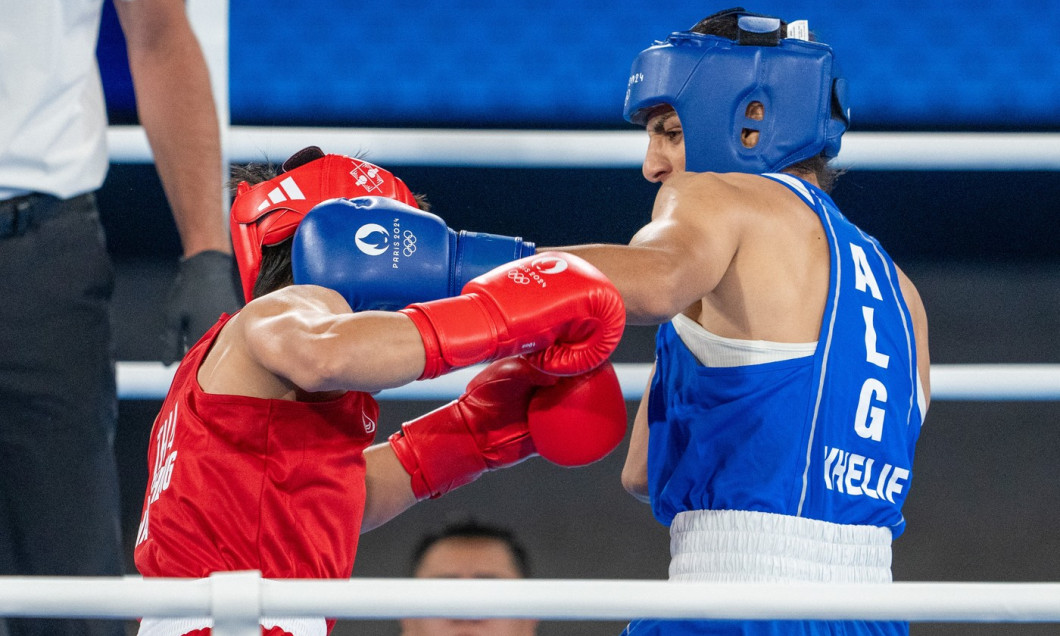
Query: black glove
[206,286]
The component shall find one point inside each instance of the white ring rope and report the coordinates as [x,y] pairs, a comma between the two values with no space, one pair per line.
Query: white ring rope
[371,598]
[599,149]
[985,382]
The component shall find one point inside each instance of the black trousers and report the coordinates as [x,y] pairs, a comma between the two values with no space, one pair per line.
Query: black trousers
[59,503]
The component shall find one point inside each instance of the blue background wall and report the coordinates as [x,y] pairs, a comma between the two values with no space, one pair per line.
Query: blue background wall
[548,63]
[941,65]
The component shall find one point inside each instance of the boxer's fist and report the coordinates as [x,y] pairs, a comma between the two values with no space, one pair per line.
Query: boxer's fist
[380,253]
[510,412]
[554,306]
[485,429]
[580,419]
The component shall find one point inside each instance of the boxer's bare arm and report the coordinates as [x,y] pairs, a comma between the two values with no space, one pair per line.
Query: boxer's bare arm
[635,470]
[677,258]
[308,337]
[920,330]
[388,491]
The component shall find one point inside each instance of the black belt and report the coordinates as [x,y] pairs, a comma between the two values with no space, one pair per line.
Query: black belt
[18,214]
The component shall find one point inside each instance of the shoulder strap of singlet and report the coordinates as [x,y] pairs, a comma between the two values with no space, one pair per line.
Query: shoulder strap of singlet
[796,185]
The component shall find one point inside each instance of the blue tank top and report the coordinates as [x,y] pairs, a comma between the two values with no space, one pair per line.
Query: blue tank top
[829,436]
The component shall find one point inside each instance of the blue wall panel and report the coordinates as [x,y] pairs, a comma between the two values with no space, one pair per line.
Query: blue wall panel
[555,63]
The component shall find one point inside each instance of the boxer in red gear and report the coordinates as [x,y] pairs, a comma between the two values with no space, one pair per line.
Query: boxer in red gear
[262,456]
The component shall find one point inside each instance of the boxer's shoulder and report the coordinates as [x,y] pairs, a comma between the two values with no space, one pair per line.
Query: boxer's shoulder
[294,299]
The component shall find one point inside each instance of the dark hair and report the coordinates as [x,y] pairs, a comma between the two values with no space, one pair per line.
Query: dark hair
[725,24]
[472,529]
[275,271]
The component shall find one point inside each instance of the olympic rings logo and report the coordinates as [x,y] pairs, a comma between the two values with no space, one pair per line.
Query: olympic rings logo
[409,243]
[518,277]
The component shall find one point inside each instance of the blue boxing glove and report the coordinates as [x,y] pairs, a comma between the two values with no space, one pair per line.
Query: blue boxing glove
[383,254]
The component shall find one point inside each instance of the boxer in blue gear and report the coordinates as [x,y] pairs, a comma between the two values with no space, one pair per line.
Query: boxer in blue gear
[819,497]
[777,434]
[380,253]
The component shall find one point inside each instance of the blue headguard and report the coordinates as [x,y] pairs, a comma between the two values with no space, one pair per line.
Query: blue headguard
[710,81]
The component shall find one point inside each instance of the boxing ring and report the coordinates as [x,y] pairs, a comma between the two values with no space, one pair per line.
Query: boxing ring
[236,601]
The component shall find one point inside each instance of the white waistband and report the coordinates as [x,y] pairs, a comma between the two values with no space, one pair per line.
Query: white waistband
[181,626]
[728,546]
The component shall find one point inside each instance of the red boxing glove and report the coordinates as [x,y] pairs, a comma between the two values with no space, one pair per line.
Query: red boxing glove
[552,303]
[578,420]
[484,429]
[495,423]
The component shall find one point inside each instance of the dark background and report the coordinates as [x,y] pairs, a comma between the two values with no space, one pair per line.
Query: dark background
[981,246]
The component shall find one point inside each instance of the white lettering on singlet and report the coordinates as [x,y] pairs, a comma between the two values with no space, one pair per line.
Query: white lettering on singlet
[863,276]
[869,418]
[165,458]
[856,475]
[871,355]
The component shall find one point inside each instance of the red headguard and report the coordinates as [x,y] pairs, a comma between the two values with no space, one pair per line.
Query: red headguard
[268,213]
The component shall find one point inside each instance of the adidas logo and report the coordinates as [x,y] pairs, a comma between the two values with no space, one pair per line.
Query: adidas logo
[287,189]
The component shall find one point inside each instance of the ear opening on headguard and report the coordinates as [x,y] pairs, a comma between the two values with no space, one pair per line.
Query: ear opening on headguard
[754,114]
